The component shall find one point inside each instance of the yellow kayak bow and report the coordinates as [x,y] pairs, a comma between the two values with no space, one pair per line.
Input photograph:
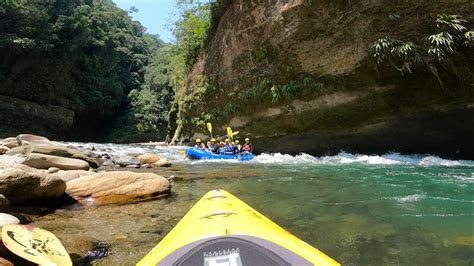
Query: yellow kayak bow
[220,229]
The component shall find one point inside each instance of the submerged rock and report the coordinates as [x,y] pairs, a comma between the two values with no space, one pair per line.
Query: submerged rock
[117,187]
[22,184]
[43,161]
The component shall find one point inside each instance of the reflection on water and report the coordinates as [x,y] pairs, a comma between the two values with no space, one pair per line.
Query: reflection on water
[360,212]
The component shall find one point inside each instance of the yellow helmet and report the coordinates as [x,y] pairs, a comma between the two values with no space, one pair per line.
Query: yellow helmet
[198,140]
[227,140]
[237,141]
[213,140]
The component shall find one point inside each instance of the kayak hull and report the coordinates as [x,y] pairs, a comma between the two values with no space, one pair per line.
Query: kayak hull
[221,228]
[199,154]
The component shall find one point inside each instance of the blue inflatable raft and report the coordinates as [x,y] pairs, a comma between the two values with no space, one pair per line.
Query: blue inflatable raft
[205,155]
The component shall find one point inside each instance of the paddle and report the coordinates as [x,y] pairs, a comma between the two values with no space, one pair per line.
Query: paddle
[229,134]
[209,127]
[35,244]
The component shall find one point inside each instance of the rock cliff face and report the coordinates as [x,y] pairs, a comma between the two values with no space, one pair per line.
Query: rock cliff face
[297,76]
[20,116]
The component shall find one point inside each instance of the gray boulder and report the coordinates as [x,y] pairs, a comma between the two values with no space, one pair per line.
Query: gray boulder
[28,138]
[124,160]
[43,161]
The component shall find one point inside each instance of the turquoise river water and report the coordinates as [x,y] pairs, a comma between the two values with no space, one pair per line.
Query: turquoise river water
[359,209]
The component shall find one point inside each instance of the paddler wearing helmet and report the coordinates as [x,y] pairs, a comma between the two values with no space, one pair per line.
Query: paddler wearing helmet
[247,146]
[237,147]
[227,148]
[198,144]
[213,147]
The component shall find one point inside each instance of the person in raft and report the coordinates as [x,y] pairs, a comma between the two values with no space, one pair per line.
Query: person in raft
[247,146]
[213,147]
[199,144]
[237,147]
[228,149]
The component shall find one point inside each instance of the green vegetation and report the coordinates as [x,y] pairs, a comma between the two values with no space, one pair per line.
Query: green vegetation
[83,55]
[403,55]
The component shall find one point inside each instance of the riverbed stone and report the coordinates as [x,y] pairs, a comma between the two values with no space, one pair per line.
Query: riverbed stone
[55,150]
[43,161]
[162,163]
[148,158]
[3,149]
[4,203]
[117,187]
[28,138]
[124,160]
[12,159]
[6,218]
[23,184]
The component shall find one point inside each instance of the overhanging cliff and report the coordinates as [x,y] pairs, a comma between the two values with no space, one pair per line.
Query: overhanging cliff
[297,76]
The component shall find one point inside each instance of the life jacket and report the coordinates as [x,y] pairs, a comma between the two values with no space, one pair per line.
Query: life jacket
[247,147]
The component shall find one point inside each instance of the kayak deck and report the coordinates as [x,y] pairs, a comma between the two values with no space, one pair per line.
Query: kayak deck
[220,228]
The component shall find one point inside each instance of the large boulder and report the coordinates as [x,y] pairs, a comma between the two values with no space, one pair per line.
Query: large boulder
[148,158]
[55,150]
[117,187]
[28,138]
[22,184]
[124,160]
[43,161]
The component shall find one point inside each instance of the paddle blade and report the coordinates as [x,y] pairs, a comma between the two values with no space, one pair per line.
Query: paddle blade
[229,133]
[235,133]
[209,127]
[35,244]
[181,151]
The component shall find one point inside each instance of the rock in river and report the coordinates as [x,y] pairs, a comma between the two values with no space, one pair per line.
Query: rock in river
[22,184]
[162,163]
[8,219]
[148,158]
[27,138]
[55,150]
[43,161]
[124,160]
[117,187]
[3,149]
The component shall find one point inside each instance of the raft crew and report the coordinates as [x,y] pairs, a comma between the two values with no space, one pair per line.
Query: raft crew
[225,147]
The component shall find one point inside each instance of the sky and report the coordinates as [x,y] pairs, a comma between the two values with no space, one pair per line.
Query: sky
[155,15]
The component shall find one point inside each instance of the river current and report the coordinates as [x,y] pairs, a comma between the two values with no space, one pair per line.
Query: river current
[359,209]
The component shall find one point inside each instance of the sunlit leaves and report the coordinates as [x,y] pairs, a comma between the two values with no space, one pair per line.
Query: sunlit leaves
[454,22]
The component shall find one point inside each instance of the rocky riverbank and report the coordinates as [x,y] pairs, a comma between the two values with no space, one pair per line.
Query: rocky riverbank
[37,175]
